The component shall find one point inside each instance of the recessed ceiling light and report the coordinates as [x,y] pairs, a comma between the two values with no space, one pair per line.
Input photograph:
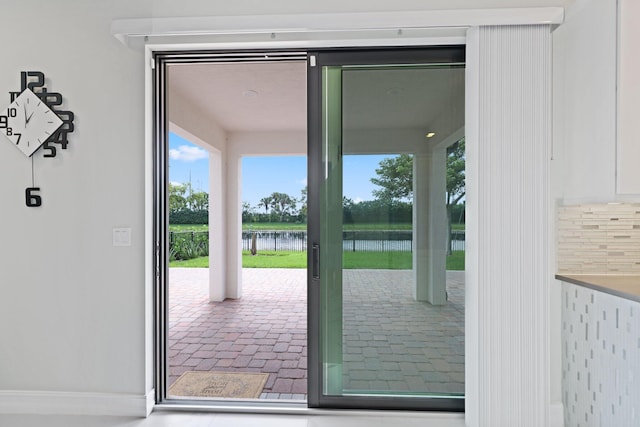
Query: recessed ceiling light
[250,93]
[430,134]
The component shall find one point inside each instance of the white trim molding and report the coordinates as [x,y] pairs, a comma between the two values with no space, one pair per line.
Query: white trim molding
[75,403]
[401,25]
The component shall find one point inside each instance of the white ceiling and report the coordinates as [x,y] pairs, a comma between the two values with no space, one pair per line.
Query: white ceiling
[266,96]
[404,98]
[273,96]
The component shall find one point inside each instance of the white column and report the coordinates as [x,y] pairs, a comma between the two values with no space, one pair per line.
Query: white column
[508,273]
[233,231]
[430,226]
[217,250]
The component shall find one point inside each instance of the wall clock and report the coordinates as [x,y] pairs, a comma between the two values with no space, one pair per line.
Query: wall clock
[34,120]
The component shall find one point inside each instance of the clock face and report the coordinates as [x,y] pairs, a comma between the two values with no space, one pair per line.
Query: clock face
[29,122]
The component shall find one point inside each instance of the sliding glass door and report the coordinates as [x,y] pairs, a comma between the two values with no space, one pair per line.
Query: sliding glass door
[384,331]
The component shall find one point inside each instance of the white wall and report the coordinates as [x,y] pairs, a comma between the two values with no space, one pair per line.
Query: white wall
[71,304]
[584,89]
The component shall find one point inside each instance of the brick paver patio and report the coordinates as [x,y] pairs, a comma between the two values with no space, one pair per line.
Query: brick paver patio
[392,343]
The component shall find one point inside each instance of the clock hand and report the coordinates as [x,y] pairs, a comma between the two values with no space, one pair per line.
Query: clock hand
[26,119]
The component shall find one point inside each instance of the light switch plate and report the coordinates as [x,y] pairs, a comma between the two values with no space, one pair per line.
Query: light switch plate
[122,237]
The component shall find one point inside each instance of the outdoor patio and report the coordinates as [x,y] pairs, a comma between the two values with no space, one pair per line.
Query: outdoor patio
[392,343]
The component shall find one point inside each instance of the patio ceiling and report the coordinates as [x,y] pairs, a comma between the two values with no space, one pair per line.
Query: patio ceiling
[246,96]
[262,97]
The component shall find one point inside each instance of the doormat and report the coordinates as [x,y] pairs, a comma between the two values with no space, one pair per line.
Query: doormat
[219,384]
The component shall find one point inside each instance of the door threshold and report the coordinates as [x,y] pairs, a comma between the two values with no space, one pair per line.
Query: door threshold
[293,408]
[235,406]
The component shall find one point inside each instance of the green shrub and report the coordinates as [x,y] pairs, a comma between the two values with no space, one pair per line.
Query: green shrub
[188,216]
[188,246]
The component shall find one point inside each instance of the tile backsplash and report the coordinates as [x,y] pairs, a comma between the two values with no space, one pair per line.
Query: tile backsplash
[600,358]
[599,239]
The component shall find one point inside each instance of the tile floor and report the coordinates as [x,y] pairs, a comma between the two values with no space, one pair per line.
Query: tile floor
[264,331]
[392,343]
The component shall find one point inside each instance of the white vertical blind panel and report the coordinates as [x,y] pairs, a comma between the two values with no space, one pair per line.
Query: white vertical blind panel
[513,231]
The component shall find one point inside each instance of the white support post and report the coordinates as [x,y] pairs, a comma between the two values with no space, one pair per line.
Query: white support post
[430,226]
[217,250]
[233,231]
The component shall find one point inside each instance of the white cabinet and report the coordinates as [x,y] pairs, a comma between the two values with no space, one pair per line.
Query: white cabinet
[628,141]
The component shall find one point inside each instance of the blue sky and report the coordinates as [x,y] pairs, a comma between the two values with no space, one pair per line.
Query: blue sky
[187,162]
[262,176]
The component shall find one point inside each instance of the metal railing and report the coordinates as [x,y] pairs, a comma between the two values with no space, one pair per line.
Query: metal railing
[275,240]
[352,241]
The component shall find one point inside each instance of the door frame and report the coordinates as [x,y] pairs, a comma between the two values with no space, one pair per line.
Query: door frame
[161,60]
[315,60]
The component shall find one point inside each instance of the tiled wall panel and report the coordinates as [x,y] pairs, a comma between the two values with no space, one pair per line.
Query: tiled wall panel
[599,238]
[600,359]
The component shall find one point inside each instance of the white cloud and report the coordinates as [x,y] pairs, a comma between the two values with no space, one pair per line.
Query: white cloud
[303,181]
[188,153]
[358,200]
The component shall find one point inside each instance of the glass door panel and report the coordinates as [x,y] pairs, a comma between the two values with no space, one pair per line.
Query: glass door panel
[389,333]
[331,233]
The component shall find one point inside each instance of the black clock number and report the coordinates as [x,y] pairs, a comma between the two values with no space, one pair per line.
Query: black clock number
[32,80]
[60,136]
[52,150]
[52,99]
[11,112]
[4,124]
[32,199]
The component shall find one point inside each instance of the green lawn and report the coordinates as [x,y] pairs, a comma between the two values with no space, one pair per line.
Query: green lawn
[281,259]
[188,227]
[274,259]
[200,262]
[386,260]
[455,261]
[381,226]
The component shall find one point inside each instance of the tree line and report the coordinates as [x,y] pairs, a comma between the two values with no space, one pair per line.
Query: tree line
[277,207]
[187,206]
[392,202]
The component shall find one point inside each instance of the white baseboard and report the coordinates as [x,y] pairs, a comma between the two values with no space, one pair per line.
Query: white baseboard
[556,415]
[74,403]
